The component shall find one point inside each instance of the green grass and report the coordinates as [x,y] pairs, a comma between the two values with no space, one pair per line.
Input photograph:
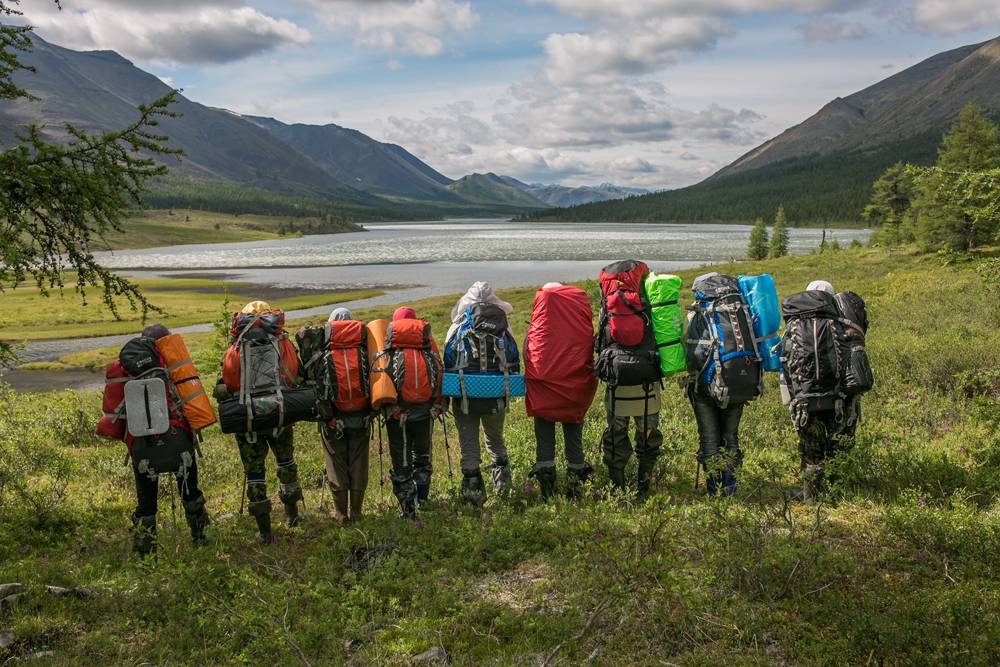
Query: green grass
[31,316]
[167,227]
[900,565]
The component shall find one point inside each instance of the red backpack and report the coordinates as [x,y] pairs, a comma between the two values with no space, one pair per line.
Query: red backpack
[347,367]
[624,313]
[414,365]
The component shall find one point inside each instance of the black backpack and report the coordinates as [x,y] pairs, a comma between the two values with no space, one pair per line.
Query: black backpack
[721,352]
[856,370]
[482,343]
[619,364]
[811,350]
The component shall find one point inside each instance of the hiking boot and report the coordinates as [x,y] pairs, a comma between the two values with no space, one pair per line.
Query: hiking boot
[340,508]
[197,520]
[501,475]
[473,490]
[576,478]
[423,495]
[261,511]
[408,509]
[645,480]
[290,495]
[357,503]
[144,536]
[617,476]
[811,474]
[546,481]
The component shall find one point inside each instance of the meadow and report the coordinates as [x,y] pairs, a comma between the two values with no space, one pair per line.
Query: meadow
[898,565]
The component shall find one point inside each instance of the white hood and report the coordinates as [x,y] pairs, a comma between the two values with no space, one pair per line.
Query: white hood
[479,292]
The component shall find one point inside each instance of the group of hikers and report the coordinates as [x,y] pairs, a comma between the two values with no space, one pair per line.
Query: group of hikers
[354,378]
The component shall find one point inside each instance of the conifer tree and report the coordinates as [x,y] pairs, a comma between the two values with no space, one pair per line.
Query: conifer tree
[757,247]
[779,235]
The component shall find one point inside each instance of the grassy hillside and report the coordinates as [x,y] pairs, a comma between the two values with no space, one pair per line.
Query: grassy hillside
[814,190]
[899,565]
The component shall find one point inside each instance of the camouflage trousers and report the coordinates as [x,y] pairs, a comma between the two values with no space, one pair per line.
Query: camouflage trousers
[254,456]
[824,436]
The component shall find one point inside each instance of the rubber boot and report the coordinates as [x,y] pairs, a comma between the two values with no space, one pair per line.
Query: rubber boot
[357,503]
[501,475]
[408,509]
[340,508]
[423,495]
[261,511]
[728,483]
[546,481]
[810,483]
[645,480]
[576,478]
[290,495]
[197,520]
[712,483]
[617,476]
[473,490]
[144,536]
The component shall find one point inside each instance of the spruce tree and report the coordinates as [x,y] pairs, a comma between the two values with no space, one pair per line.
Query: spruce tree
[892,195]
[757,247]
[779,235]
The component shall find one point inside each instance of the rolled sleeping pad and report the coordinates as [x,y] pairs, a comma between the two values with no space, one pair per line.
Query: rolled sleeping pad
[112,423]
[762,299]
[383,391]
[299,405]
[194,402]
[482,385]
[663,293]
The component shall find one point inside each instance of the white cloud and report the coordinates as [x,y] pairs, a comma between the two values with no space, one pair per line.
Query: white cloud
[828,29]
[633,163]
[405,26]
[211,32]
[604,10]
[630,50]
[954,16]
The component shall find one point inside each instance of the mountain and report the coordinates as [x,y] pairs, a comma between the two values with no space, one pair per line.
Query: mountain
[822,169]
[360,161]
[100,90]
[495,190]
[560,196]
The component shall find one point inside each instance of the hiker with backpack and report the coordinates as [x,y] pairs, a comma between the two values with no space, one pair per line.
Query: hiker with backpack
[480,341]
[825,370]
[334,360]
[559,381]
[144,409]
[258,404]
[629,364]
[416,368]
[724,374]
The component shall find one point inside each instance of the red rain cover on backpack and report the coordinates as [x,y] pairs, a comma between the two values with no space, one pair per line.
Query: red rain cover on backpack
[414,364]
[621,287]
[112,424]
[348,366]
[559,356]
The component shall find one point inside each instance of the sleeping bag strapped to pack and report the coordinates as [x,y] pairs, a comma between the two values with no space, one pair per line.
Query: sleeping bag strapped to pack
[382,389]
[762,299]
[856,370]
[625,344]
[261,365]
[810,350]
[414,366]
[722,354]
[482,345]
[559,356]
[194,401]
[662,294]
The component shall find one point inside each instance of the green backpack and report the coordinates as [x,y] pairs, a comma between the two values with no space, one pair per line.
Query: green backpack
[663,293]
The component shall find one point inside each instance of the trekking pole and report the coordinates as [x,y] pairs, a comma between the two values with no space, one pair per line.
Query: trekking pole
[381,474]
[243,492]
[697,473]
[173,503]
[447,448]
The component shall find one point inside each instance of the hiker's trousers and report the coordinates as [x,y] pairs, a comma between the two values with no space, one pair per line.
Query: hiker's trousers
[545,445]
[618,446]
[147,490]
[411,457]
[468,426]
[824,435]
[253,453]
[718,432]
[345,457]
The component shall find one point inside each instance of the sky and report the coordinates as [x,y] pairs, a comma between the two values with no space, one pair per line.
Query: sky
[644,93]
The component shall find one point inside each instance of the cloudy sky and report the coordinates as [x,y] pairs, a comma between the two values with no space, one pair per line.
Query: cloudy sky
[654,93]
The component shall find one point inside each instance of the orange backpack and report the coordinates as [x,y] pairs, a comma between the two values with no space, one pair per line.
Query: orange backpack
[414,365]
[346,384]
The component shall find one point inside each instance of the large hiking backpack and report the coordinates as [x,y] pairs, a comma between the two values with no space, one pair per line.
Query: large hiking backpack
[722,352]
[414,365]
[625,344]
[811,350]
[334,360]
[663,294]
[157,432]
[482,343]
[856,370]
[260,366]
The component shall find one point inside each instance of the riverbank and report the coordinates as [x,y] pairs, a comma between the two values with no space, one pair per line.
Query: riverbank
[900,564]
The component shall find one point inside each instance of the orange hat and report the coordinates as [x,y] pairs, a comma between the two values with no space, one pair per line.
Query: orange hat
[255,307]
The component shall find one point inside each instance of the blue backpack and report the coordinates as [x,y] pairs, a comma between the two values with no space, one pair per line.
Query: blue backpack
[762,299]
[482,343]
